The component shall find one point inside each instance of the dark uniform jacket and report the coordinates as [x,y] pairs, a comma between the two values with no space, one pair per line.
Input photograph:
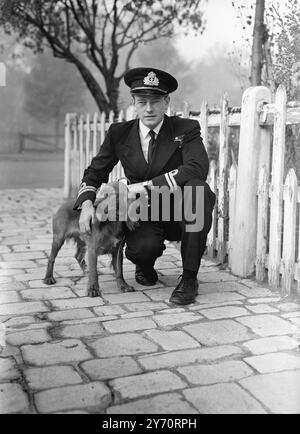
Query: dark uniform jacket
[179,156]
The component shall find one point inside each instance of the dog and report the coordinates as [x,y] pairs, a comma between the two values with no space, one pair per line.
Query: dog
[105,237]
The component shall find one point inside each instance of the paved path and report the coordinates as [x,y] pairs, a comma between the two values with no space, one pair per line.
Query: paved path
[236,350]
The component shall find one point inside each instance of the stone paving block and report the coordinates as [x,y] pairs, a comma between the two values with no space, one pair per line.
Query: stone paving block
[256,292]
[274,362]
[23,256]
[11,286]
[279,391]
[295,321]
[129,325]
[291,315]
[262,308]
[168,403]
[51,376]
[150,383]
[18,264]
[263,300]
[288,307]
[198,307]
[70,314]
[172,340]
[47,294]
[218,297]
[60,281]
[149,305]
[94,394]
[5,279]
[108,310]
[77,331]
[223,399]
[218,332]
[268,325]
[27,337]
[218,276]
[128,297]
[270,345]
[112,367]
[13,399]
[217,373]
[169,319]
[8,370]
[141,314]
[185,357]
[75,303]
[224,312]
[19,322]
[9,297]
[63,351]
[159,294]
[122,344]
[9,272]
[216,287]
[22,308]
[83,321]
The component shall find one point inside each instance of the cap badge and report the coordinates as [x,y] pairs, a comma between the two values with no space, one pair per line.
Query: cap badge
[151,79]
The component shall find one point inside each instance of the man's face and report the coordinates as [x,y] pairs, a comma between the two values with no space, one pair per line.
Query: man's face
[151,108]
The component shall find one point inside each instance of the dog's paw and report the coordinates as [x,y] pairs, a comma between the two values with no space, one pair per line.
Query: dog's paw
[49,280]
[124,287]
[94,291]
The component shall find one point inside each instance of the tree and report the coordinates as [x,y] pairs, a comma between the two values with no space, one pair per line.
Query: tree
[52,89]
[98,36]
[258,43]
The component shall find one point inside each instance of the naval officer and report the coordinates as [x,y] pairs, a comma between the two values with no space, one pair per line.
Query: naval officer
[155,150]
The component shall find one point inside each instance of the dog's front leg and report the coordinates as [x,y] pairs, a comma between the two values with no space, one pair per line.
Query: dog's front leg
[117,262]
[93,289]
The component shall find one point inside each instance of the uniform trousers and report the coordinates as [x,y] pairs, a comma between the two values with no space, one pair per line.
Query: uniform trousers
[145,244]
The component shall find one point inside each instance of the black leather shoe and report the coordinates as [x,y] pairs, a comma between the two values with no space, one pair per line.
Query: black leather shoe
[145,276]
[185,292]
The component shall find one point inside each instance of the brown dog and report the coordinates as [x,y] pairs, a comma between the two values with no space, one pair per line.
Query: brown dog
[105,237]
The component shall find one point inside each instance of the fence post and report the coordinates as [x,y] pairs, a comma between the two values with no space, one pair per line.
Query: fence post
[222,180]
[262,223]
[289,233]
[277,186]
[204,124]
[249,161]
[211,237]
[87,140]
[67,154]
[231,208]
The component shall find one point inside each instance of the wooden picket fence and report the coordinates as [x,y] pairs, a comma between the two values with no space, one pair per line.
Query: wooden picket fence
[255,217]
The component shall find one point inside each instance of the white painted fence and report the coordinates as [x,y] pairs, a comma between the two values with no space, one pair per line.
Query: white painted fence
[247,229]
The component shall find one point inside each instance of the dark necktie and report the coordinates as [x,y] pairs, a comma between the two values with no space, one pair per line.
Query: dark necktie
[151,146]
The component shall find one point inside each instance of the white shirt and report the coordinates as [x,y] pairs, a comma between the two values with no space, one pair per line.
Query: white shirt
[145,136]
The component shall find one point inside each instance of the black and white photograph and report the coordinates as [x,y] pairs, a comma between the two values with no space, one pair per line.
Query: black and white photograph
[149,212]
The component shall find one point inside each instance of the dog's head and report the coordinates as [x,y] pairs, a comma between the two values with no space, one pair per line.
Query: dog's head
[113,203]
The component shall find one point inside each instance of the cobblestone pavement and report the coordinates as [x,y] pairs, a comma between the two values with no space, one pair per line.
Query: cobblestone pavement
[236,350]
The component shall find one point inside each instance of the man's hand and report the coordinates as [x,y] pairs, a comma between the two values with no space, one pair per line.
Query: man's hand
[138,188]
[87,216]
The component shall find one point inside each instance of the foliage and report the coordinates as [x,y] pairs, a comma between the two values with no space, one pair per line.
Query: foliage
[98,36]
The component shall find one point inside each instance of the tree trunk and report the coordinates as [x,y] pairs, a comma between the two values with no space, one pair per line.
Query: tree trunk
[112,86]
[93,86]
[258,42]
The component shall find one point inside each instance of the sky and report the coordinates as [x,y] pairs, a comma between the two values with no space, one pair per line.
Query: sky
[222,28]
